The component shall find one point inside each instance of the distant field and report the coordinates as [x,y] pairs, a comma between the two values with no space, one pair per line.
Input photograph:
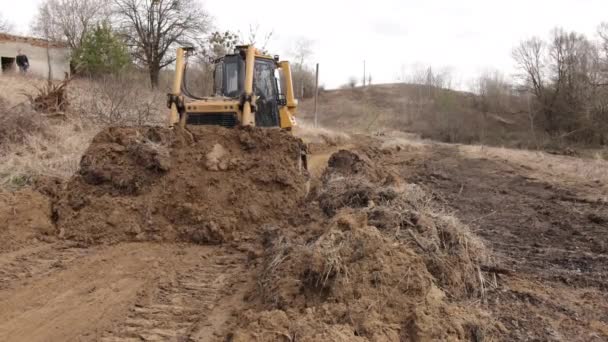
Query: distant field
[440,114]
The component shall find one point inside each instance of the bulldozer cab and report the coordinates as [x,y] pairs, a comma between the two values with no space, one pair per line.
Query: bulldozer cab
[247,92]
[229,78]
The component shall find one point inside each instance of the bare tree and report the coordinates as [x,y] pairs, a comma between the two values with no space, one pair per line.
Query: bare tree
[493,94]
[493,91]
[303,75]
[602,31]
[529,58]
[220,44]
[561,76]
[153,28]
[302,50]
[425,75]
[5,25]
[258,38]
[69,20]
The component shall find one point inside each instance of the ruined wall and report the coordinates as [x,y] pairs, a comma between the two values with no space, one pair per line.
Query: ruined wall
[36,52]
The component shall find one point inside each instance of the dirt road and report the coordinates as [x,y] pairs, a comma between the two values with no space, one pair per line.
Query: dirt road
[127,292]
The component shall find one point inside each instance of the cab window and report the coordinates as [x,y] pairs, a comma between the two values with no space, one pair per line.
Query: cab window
[234,74]
[265,81]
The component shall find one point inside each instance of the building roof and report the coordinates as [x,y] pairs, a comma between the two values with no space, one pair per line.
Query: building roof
[39,42]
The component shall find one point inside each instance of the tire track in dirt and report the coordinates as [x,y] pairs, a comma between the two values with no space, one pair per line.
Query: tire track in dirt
[188,300]
[37,260]
[77,300]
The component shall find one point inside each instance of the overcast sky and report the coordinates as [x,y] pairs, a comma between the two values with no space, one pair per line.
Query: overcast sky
[467,36]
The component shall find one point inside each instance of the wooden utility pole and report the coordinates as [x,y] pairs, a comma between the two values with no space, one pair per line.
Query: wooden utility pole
[316,94]
[363,73]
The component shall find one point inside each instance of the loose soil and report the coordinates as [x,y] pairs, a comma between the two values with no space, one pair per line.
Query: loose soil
[549,240]
[215,235]
[209,185]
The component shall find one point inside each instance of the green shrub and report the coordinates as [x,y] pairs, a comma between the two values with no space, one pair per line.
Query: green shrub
[101,52]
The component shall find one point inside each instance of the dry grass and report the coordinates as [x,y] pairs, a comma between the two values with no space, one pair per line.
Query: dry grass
[34,145]
[56,154]
[552,168]
[439,114]
[118,100]
[452,253]
[402,141]
[320,135]
[13,88]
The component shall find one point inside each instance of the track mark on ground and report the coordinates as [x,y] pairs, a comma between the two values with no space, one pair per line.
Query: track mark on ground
[182,301]
[37,261]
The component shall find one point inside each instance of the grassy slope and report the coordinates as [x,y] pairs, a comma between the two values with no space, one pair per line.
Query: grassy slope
[439,114]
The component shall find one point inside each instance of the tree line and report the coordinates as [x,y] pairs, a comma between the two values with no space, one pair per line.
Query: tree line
[107,36]
[566,76]
[561,85]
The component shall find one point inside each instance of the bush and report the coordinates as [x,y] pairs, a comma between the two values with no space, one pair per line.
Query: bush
[101,52]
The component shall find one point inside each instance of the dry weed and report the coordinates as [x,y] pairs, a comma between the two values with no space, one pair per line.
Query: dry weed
[17,122]
[14,87]
[35,145]
[119,100]
[55,154]
[51,98]
[408,213]
[554,168]
[320,135]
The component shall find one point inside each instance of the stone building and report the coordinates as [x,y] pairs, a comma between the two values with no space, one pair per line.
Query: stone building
[40,53]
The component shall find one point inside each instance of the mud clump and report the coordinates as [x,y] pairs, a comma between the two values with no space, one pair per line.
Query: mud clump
[208,185]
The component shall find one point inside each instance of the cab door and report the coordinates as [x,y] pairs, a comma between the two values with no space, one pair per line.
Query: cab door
[265,88]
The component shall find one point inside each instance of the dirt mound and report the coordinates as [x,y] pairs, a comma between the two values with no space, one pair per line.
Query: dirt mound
[347,163]
[207,186]
[364,257]
[382,266]
[25,216]
[406,212]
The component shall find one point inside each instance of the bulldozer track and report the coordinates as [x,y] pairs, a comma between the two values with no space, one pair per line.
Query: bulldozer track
[36,261]
[181,302]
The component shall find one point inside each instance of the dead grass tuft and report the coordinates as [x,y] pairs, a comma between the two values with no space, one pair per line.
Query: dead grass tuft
[17,122]
[55,154]
[51,98]
[407,213]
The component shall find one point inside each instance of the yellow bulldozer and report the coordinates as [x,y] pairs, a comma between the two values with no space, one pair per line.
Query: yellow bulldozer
[247,92]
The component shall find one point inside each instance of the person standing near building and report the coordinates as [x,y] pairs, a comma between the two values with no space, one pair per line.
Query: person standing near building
[22,62]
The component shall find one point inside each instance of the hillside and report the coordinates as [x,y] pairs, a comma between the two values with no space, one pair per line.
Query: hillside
[445,115]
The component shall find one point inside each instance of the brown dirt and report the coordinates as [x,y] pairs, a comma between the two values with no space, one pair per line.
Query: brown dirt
[341,278]
[126,292]
[25,217]
[378,250]
[213,186]
[549,239]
